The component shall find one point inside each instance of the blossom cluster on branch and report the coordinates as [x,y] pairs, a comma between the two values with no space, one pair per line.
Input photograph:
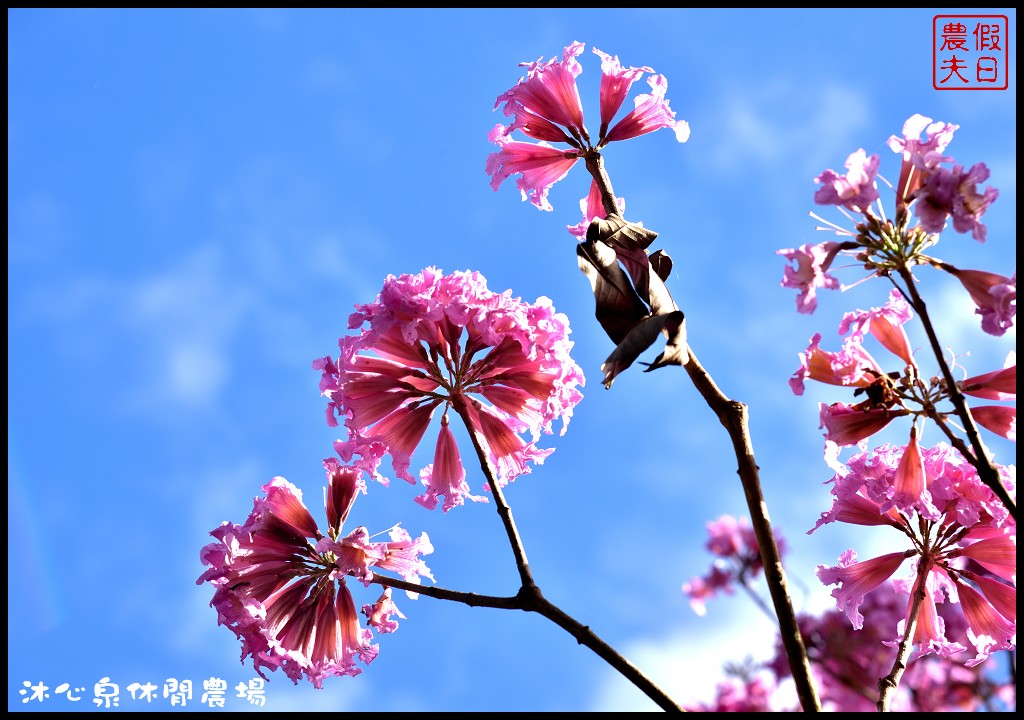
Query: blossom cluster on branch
[435,347]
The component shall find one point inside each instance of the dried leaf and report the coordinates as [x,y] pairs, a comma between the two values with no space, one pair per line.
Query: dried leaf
[661,263]
[615,230]
[634,305]
[649,286]
[641,337]
[630,242]
[676,351]
[618,306]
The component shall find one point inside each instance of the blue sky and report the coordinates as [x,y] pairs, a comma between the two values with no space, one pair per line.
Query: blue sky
[197,198]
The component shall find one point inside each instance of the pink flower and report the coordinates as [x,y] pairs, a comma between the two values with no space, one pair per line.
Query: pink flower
[545,105]
[988,630]
[1002,597]
[969,204]
[734,544]
[402,556]
[279,583]
[651,112]
[445,476]
[885,324]
[615,83]
[378,614]
[955,192]
[858,510]
[911,479]
[850,424]
[853,366]
[999,419]
[996,553]
[445,342]
[847,663]
[539,166]
[856,190]
[995,385]
[857,579]
[701,589]
[810,273]
[995,295]
[740,695]
[548,92]
[958,518]
[920,157]
[725,536]
[592,208]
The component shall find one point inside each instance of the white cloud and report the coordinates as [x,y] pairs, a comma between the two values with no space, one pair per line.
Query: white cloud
[196,372]
[766,123]
[688,665]
[186,320]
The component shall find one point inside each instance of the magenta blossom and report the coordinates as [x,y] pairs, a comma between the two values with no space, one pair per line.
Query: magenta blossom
[940,192]
[882,246]
[539,165]
[651,113]
[738,560]
[955,193]
[848,663]
[856,190]
[810,273]
[445,342]
[995,385]
[885,324]
[920,157]
[740,695]
[994,294]
[852,424]
[950,516]
[1000,419]
[279,582]
[545,105]
[592,208]
[852,366]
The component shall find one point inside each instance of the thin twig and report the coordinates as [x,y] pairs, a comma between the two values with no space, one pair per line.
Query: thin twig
[504,511]
[754,596]
[535,602]
[595,166]
[733,415]
[887,686]
[529,597]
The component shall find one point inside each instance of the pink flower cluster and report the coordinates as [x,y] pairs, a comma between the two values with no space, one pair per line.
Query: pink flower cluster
[740,694]
[940,192]
[734,544]
[433,341]
[889,394]
[934,192]
[279,582]
[962,539]
[430,341]
[545,105]
[854,366]
[848,663]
